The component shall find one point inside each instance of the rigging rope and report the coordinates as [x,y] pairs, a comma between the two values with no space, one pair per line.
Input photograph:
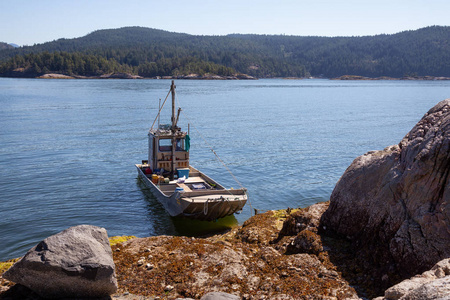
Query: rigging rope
[220,160]
[160,109]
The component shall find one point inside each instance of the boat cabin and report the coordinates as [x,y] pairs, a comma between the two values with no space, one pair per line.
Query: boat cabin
[168,151]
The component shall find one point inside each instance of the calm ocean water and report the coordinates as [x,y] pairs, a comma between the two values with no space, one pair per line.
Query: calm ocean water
[68,147]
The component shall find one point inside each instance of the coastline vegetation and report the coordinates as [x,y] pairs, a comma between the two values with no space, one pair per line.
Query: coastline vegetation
[152,53]
[80,64]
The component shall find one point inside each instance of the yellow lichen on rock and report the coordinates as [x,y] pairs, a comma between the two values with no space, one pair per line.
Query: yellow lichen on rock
[4,266]
[120,239]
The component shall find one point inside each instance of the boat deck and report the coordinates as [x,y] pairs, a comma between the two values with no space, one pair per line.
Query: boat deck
[194,183]
[191,184]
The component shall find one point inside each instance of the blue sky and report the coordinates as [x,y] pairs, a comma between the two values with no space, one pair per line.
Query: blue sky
[28,22]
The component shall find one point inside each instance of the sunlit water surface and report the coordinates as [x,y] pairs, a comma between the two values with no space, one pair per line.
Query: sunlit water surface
[68,147]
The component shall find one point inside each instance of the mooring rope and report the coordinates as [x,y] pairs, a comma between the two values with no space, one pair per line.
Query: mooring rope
[217,156]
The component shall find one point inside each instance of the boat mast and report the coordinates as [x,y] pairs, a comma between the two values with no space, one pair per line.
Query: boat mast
[172,89]
[174,139]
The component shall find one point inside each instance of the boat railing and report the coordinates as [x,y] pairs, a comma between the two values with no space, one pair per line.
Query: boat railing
[239,192]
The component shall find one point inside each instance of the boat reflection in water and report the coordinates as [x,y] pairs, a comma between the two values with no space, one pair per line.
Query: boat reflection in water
[166,225]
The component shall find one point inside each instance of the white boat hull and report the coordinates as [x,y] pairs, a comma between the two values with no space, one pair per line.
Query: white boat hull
[206,204]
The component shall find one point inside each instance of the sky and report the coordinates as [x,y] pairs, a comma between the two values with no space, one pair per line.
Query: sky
[29,22]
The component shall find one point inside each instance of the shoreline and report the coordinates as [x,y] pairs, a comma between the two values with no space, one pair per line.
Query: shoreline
[255,259]
[131,76]
[279,253]
[220,77]
[357,77]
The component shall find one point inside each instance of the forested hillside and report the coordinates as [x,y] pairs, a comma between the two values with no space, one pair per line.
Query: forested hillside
[150,52]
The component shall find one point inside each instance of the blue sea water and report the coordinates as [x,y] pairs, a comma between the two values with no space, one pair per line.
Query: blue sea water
[68,147]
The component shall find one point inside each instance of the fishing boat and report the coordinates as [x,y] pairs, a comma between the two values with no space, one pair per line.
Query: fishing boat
[183,190]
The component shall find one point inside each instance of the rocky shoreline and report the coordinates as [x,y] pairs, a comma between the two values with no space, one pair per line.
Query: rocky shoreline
[357,77]
[276,255]
[258,260]
[20,74]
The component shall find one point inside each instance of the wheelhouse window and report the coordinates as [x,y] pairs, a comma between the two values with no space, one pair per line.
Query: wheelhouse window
[180,145]
[165,145]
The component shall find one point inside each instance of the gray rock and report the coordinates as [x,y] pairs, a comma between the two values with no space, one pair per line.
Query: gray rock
[396,201]
[75,263]
[438,289]
[219,296]
[432,284]
[399,290]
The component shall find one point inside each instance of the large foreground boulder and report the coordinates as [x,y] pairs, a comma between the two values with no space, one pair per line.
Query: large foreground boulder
[395,202]
[74,263]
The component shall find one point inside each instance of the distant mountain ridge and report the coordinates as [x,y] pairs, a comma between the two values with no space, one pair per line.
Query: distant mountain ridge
[5,46]
[152,52]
